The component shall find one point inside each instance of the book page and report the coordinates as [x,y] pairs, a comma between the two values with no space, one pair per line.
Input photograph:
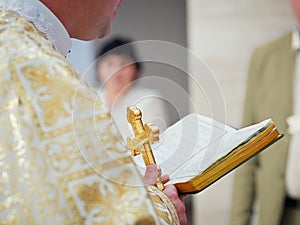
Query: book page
[215,151]
[194,143]
[186,138]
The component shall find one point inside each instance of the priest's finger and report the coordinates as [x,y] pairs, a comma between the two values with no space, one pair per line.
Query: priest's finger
[151,174]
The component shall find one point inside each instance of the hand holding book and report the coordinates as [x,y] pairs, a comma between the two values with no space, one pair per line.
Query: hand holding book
[197,150]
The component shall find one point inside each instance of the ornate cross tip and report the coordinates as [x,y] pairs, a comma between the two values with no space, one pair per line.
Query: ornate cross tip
[143,135]
[152,132]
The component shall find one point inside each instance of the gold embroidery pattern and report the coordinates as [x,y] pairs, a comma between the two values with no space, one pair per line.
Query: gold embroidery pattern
[31,166]
[47,194]
[15,211]
[95,202]
[64,154]
[55,98]
[7,183]
[39,166]
[110,139]
[163,206]
[104,205]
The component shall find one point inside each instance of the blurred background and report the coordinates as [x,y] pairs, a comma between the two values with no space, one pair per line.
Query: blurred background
[223,34]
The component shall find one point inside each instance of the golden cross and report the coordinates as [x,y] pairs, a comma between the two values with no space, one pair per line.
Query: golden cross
[144,135]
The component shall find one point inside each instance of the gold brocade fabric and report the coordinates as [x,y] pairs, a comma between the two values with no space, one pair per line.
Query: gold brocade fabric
[60,158]
[164,207]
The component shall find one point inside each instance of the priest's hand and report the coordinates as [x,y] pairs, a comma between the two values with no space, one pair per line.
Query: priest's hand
[170,190]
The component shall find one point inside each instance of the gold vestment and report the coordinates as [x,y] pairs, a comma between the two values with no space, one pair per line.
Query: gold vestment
[60,158]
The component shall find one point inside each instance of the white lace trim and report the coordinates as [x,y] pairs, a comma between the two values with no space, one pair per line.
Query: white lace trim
[37,13]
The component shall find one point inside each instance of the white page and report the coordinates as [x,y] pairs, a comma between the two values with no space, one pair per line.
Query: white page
[184,139]
[215,151]
[194,143]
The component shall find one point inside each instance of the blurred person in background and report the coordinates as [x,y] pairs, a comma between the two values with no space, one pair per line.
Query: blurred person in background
[271,180]
[118,70]
[47,127]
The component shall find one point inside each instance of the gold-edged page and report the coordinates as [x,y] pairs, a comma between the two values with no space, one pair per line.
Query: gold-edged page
[215,151]
[227,163]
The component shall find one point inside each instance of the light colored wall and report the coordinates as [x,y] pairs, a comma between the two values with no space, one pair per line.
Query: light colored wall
[224,33]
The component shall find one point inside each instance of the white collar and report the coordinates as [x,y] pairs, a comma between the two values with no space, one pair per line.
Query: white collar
[36,12]
[295,39]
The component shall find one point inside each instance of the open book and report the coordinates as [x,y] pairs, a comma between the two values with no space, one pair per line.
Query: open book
[197,150]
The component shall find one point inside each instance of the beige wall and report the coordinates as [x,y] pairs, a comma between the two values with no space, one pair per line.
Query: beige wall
[223,33]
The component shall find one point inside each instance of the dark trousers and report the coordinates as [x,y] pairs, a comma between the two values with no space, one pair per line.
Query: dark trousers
[291,214]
